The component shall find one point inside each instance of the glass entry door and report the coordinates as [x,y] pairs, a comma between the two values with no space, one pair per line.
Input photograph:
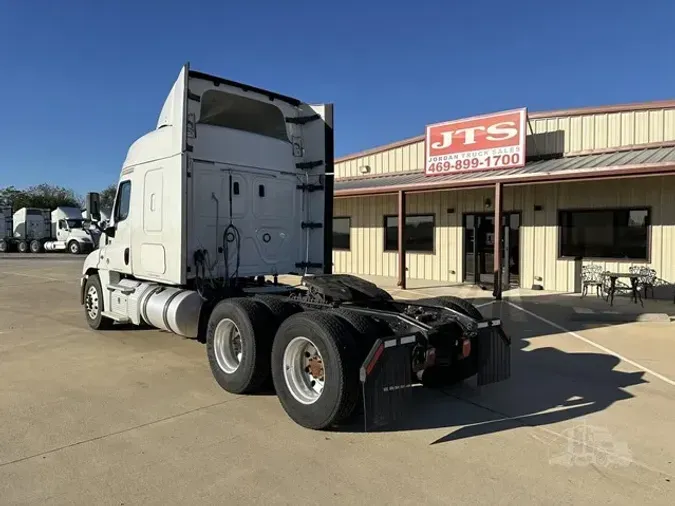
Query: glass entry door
[479,237]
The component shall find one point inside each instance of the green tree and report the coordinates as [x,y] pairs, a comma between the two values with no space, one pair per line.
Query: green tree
[44,196]
[10,195]
[107,197]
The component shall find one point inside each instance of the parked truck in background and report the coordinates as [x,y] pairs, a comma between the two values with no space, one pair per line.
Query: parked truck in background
[36,230]
[6,228]
[68,232]
[233,188]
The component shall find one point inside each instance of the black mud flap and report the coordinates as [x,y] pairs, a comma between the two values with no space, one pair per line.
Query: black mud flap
[387,380]
[494,353]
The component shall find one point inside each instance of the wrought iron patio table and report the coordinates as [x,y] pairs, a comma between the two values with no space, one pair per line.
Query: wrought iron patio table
[634,285]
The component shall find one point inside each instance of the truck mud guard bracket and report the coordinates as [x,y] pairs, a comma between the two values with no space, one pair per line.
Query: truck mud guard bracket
[387,380]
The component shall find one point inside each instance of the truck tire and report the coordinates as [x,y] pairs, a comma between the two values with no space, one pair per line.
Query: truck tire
[93,304]
[315,369]
[280,308]
[74,247]
[4,246]
[366,330]
[460,305]
[35,246]
[22,247]
[238,344]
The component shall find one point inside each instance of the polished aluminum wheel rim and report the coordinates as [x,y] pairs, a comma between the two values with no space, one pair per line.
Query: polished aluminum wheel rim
[227,346]
[92,302]
[304,370]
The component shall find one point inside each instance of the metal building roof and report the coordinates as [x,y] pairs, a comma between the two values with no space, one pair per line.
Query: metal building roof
[582,165]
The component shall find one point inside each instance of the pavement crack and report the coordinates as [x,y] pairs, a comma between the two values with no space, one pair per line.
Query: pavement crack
[118,432]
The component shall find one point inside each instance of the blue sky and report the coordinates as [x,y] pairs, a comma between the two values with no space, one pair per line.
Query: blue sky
[82,79]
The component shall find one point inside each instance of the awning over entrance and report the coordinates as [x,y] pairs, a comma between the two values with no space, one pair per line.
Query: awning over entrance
[651,161]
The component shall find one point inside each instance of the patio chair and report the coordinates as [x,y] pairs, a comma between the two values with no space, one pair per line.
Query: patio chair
[593,276]
[646,278]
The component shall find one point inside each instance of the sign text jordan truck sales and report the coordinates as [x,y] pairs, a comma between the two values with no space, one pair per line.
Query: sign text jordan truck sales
[491,141]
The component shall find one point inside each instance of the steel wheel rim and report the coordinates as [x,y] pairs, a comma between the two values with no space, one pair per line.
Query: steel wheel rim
[92,302]
[227,346]
[304,370]
[73,248]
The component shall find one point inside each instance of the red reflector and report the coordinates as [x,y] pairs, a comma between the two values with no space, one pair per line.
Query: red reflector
[376,357]
[431,358]
[466,348]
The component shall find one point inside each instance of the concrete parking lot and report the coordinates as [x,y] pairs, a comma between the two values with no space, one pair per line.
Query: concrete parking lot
[134,416]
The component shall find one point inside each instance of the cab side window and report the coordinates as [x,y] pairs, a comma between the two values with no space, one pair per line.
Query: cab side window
[62,224]
[123,201]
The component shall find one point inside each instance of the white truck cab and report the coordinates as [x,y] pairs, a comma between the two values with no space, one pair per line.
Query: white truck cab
[68,231]
[234,182]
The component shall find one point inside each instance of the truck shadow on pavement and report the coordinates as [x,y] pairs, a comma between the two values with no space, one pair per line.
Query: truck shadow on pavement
[547,386]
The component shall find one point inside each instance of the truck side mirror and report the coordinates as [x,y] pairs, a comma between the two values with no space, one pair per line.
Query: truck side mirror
[93,207]
[109,231]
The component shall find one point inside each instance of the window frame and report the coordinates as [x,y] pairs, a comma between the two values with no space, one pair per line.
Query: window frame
[415,215]
[349,222]
[559,226]
[75,225]
[126,182]
[240,101]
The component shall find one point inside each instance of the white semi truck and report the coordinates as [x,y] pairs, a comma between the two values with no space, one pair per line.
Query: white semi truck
[233,188]
[37,230]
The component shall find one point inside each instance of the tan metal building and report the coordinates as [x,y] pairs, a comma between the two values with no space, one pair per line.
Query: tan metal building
[598,186]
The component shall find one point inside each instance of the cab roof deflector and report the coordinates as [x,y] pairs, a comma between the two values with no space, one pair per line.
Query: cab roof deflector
[245,87]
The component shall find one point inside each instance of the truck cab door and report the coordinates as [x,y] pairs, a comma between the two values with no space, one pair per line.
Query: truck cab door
[116,254]
[61,230]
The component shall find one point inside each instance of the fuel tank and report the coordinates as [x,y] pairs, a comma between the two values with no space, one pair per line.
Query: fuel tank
[172,309]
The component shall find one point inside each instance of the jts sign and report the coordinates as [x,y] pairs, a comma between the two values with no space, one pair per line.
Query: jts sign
[492,141]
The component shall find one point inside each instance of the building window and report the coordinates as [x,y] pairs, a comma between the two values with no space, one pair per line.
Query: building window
[605,233]
[419,233]
[341,233]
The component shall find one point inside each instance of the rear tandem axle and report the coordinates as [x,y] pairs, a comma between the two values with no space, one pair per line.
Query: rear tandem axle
[343,344]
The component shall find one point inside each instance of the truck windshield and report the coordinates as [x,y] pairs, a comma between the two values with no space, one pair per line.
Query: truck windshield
[74,223]
[224,109]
